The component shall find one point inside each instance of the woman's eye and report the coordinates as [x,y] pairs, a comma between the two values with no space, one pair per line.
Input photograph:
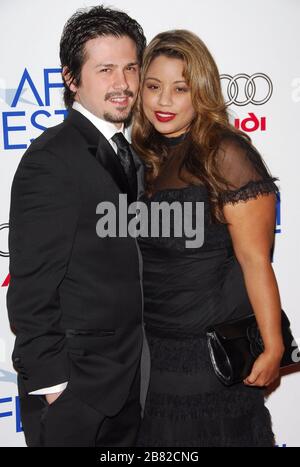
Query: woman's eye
[105,70]
[152,87]
[180,90]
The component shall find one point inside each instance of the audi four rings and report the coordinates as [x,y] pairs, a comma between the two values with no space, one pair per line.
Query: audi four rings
[249,86]
[4,254]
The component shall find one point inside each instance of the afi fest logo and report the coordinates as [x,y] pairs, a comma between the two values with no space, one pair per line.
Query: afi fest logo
[10,408]
[19,126]
[243,89]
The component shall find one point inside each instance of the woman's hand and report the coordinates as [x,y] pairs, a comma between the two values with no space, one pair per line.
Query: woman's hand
[265,369]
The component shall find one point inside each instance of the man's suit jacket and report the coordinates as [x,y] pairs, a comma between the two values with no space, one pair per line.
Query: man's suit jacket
[67,281]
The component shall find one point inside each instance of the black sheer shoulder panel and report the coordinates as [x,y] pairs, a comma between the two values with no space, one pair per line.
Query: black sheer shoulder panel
[244,171]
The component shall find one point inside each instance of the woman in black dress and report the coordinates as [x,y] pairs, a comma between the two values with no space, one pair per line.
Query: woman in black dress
[193,154]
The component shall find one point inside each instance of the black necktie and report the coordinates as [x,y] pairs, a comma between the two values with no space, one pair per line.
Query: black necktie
[125,156]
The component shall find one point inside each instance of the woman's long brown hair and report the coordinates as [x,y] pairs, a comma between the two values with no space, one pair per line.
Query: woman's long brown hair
[211,120]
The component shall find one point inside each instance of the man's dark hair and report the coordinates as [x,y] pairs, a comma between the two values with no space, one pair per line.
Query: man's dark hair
[87,24]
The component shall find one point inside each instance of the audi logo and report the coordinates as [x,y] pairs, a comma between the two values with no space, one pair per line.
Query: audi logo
[243,89]
[4,254]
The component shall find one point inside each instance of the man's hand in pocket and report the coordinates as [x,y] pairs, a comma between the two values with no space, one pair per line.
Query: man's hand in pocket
[50,398]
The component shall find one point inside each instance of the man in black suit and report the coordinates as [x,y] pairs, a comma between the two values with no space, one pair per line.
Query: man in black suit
[75,300]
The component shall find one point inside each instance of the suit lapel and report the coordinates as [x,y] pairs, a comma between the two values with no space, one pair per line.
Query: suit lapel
[100,148]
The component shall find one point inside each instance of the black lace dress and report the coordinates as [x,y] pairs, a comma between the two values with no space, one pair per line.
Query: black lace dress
[186,290]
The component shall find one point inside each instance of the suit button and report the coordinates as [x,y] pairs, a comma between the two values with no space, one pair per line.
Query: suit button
[25,378]
[17,360]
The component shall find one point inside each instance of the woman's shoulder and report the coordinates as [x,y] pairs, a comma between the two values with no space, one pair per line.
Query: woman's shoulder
[231,144]
[242,167]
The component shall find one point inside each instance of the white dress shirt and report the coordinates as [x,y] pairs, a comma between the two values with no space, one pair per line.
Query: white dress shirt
[108,130]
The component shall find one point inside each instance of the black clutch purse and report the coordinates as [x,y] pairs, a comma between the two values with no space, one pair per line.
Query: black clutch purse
[235,345]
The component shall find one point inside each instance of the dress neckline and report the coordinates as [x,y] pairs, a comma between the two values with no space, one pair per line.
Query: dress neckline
[174,140]
[163,191]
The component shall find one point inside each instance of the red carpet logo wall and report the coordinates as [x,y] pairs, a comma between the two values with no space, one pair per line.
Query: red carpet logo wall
[240,90]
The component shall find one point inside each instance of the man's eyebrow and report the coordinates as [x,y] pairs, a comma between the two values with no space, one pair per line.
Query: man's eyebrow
[113,65]
[105,65]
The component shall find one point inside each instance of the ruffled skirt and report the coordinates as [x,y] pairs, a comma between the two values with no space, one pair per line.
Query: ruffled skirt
[186,405]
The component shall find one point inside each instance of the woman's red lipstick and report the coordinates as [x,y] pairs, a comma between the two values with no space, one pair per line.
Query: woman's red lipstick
[164,116]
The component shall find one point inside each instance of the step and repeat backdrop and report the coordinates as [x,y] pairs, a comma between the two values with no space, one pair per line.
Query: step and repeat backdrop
[256,46]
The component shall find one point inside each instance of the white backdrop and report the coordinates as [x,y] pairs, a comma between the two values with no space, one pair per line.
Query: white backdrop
[258,38]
